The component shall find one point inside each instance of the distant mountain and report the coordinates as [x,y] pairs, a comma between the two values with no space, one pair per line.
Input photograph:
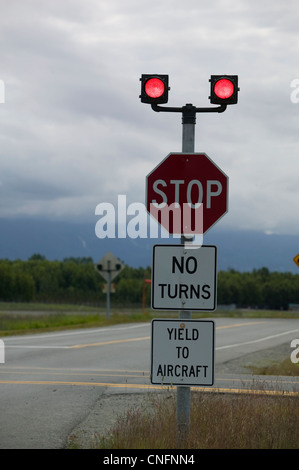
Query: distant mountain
[239,250]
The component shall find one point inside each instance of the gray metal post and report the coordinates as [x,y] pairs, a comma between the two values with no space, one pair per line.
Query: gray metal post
[188,121]
[108,291]
[184,392]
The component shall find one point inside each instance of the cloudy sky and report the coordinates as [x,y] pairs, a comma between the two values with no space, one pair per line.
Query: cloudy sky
[73,132]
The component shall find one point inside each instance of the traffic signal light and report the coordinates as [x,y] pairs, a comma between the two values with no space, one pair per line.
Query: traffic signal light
[224,89]
[154,89]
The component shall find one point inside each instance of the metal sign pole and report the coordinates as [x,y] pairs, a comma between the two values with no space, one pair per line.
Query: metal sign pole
[108,290]
[184,392]
[109,267]
[189,119]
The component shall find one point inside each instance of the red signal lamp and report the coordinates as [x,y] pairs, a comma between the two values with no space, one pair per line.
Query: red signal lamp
[154,89]
[224,89]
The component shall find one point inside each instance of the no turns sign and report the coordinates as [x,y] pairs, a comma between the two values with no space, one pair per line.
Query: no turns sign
[184,278]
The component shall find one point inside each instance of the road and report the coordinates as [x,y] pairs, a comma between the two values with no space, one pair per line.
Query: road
[50,382]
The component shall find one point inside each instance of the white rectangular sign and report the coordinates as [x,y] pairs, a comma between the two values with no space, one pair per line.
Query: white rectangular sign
[184,278]
[182,352]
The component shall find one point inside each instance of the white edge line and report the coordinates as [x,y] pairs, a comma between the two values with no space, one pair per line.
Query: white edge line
[72,332]
[256,340]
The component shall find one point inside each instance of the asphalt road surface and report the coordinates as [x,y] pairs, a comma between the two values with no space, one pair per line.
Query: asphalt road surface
[50,382]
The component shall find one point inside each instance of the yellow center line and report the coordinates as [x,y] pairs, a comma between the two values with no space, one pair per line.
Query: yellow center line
[151,387]
[62,369]
[235,325]
[118,341]
[130,373]
[82,374]
[102,343]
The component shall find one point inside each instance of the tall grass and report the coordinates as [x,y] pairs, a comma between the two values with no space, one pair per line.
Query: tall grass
[23,318]
[53,318]
[217,422]
[285,367]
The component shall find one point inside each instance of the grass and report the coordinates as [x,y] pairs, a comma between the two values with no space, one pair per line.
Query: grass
[18,319]
[286,367]
[16,324]
[29,318]
[218,421]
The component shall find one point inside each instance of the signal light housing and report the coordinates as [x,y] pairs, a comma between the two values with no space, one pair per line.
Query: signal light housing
[154,89]
[224,89]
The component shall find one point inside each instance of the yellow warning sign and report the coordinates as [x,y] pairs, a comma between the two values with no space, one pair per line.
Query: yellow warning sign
[296,259]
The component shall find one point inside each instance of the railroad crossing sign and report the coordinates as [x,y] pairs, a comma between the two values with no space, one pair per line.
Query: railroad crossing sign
[183,278]
[187,193]
[182,352]
[109,266]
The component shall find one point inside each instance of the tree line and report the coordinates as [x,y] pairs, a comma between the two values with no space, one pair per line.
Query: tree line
[75,280]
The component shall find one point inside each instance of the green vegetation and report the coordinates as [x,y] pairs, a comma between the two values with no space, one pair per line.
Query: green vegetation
[260,288]
[28,318]
[251,421]
[286,367]
[69,294]
[31,318]
[75,281]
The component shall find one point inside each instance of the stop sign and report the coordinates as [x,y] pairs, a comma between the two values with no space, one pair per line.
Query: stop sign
[187,193]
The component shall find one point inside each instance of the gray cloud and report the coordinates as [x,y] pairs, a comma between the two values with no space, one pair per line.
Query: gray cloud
[73,132]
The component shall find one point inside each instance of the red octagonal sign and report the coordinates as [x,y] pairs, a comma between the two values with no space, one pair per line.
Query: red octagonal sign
[187,193]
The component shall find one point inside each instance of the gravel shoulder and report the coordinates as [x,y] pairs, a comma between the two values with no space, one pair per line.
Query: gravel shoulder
[110,406]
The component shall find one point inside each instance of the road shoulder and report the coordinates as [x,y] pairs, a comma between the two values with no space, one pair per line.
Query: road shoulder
[110,406]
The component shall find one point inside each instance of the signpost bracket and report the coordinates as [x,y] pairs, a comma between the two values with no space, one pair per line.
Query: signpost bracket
[169,109]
